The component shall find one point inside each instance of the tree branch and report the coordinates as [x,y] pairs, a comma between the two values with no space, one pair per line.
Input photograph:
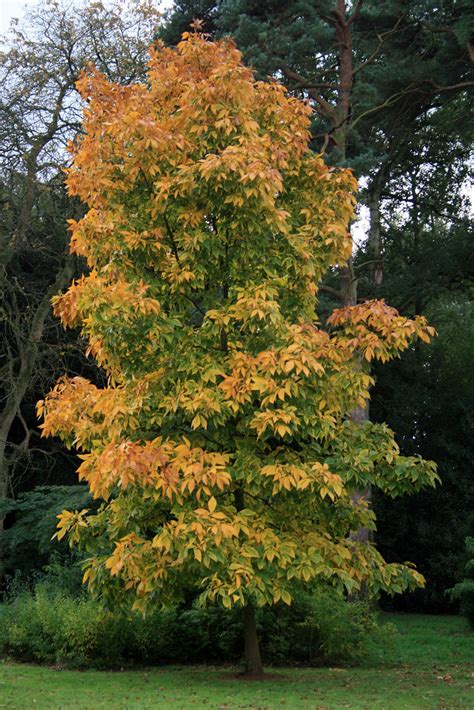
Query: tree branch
[356,13]
[174,246]
[331,291]
[326,110]
[381,38]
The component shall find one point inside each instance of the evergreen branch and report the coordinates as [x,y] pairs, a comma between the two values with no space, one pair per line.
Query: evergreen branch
[381,38]
[326,109]
[355,15]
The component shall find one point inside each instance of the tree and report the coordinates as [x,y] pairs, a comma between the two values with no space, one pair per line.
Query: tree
[29,544]
[221,446]
[428,398]
[39,111]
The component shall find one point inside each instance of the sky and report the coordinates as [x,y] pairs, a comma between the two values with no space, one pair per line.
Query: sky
[16,8]
[9,9]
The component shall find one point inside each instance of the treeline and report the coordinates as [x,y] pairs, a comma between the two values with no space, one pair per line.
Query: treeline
[389,84]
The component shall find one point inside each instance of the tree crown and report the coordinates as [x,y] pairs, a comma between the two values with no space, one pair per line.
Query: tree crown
[222,446]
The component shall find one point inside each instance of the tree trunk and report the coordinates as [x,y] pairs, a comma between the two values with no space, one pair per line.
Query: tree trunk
[358,415]
[346,75]
[253,661]
[374,242]
[348,284]
[4,485]
[20,382]
[361,414]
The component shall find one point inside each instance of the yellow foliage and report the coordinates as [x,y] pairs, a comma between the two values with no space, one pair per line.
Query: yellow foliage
[220,446]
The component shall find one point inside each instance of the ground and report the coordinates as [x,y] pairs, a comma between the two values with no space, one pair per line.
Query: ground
[431,665]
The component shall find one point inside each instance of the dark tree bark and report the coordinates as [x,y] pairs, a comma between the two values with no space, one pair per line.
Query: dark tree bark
[253,661]
[374,242]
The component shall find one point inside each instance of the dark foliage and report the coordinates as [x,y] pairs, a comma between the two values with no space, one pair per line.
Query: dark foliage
[26,543]
[464,591]
[428,398]
[49,625]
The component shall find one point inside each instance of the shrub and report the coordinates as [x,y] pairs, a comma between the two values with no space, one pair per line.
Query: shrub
[56,628]
[464,591]
[321,629]
[27,544]
[49,625]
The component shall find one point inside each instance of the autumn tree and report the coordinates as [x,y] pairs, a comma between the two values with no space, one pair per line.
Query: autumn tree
[221,447]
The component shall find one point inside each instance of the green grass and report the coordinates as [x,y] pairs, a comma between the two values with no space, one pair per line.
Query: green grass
[431,666]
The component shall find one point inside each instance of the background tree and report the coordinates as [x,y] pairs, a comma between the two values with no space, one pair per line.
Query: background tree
[39,112]
[369,69]
[428,263]
[222,444]
[428,398]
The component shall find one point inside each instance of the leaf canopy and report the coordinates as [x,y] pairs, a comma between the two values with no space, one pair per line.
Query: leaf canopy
[222,446]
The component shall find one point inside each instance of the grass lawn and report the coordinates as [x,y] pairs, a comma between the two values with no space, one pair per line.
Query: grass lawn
[430,666]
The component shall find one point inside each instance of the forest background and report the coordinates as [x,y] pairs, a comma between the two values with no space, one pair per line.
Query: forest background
[390,84]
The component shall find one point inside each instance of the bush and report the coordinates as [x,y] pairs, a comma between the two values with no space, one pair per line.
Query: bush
[322,629]
[26,544]
[56,628]
[464,591]
[49,625]
[52,627]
